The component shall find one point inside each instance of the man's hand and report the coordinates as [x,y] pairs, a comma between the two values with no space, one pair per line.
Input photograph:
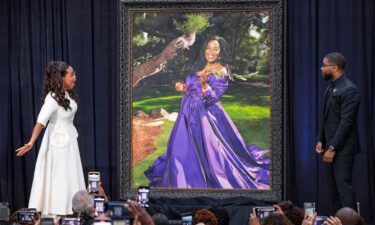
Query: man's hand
[328,156]
[102,193]
[319,148]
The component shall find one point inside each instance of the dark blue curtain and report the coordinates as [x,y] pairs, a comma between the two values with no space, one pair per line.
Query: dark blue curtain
[315,28]
[81,33]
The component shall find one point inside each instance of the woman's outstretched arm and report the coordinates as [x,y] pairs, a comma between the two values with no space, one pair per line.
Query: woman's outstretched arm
[36,131]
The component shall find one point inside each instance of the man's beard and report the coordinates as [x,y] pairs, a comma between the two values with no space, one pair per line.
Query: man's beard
[327,76]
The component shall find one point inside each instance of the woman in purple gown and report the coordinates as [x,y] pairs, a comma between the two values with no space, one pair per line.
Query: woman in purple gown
[205,149]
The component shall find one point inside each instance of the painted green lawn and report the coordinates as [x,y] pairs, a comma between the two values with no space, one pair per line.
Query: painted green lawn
[248,107]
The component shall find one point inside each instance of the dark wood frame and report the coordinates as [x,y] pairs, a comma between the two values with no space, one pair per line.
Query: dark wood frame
[278,144]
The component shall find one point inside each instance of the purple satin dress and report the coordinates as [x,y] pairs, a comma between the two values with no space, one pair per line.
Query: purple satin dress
[205,149]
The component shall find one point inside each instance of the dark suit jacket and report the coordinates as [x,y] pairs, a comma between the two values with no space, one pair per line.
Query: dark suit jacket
[339,123]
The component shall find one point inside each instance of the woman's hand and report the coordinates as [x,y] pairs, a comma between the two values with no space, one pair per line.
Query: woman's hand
[24,149]
[180,87]
[309,220]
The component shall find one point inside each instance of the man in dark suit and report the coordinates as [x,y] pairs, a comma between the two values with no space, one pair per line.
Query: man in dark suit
[338,134]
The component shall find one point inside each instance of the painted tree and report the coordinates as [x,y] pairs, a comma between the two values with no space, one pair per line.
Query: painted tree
[153,30]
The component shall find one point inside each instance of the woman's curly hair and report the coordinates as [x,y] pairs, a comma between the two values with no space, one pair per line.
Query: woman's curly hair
[215,215]
[205,216]
[53,82]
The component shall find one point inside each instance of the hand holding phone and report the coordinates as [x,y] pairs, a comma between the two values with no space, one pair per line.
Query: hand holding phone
[143,196]
[263,211]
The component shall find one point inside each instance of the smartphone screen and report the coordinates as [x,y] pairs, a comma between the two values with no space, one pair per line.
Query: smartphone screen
[25,216]
[46,221]
[94,182]
[263,212]
[187,218]
[99,206]
[309,208]
[71,221]
[143,196]
[117,210]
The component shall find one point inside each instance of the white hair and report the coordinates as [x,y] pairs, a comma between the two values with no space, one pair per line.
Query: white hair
[82,202]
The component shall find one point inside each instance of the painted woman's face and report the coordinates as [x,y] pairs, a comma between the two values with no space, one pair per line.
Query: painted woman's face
[212,53]
[69,79]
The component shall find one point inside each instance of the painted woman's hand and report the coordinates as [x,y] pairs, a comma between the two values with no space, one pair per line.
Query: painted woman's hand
[180,87]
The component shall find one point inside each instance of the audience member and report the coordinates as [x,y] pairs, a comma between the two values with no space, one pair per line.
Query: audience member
[348,216]
[292,212]
[276,219]
[160,219]
[212,216]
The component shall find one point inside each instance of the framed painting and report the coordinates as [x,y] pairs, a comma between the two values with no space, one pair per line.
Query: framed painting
[201,98]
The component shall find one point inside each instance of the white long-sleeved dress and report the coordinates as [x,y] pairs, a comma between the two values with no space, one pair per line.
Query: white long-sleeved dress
[58,171]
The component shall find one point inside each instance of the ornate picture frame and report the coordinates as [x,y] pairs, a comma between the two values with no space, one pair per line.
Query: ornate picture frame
[125,93]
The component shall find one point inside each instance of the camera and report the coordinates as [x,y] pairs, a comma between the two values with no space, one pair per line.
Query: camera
[4,211]
[187,218]
[94,182]
[119,213]
[26,216]
[263,211]
[143,196]
[309,208]
[70,220]
[46,221]
[118,210]
[99,205]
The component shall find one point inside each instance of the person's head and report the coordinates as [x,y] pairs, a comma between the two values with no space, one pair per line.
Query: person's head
[292,212]
[212,216]
[276,219]
[333,65]
[160,219]
[214,50]
[348,216]
[83,203]
[59,77]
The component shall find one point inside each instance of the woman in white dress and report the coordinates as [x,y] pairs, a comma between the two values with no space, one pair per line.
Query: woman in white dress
[58,172]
